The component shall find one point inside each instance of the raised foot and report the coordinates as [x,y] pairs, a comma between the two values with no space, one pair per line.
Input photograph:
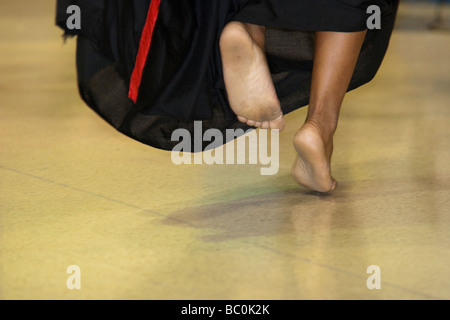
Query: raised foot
[248,81]
[312,167]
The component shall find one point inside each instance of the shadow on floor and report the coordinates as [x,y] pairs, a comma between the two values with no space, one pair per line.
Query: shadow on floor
[355,205]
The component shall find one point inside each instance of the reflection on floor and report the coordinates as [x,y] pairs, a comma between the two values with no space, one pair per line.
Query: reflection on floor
[75,192]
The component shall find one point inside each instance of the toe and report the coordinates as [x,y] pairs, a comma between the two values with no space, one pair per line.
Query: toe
[265,125]
[278,124]
[242,119]
[251,123]
[333,185]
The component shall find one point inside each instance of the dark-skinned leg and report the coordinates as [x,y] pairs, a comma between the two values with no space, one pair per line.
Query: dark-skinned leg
[335,59]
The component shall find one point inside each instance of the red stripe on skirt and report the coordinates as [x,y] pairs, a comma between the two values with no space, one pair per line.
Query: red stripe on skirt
[144,48]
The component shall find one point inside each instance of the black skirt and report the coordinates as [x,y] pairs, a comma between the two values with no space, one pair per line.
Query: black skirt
[151,67]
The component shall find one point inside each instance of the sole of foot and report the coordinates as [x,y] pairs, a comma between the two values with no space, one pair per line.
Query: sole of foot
[248,81]
[312,167]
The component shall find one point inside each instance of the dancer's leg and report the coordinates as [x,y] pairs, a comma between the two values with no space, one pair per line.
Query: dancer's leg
[248,81]
[335,59]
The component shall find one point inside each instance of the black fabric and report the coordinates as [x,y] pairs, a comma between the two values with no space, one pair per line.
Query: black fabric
[182,80]
[105,91]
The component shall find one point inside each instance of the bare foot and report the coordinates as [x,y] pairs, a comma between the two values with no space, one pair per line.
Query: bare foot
[248,80]
[312,167]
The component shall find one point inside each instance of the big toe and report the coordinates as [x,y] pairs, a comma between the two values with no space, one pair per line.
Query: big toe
[278,124]
[333,185]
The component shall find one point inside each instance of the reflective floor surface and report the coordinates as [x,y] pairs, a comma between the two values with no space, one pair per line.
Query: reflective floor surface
[73,191]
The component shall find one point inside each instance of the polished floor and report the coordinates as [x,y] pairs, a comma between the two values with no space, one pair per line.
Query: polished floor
[73,191]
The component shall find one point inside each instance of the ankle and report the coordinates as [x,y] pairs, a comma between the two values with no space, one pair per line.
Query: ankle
[325,127]
[257,33]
